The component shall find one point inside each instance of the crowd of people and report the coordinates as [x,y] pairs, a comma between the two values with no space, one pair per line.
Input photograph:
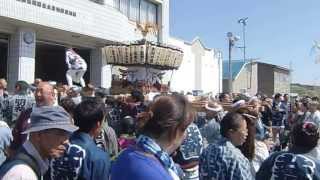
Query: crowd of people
[53,131]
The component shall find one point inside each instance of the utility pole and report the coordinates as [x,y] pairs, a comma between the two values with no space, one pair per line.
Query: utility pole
[232,39]
[290,79]
[243,21]
[230,67]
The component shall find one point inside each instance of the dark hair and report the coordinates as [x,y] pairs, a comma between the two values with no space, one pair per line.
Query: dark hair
[277,96]
[23,87]
[101,92]
[128,125]
[264,97]
[230,121]
[68,105]
[222,96]
[305,135]
[315,98]
[248,147]
[89,88]
[166,115]
[110,101]
[137,96]
[306,104]
[87,114]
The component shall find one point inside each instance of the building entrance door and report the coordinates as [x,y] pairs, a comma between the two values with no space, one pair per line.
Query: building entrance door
[3,56]
[51,65]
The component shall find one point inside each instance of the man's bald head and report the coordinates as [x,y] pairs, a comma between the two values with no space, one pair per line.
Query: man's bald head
[3,83]
[44,94]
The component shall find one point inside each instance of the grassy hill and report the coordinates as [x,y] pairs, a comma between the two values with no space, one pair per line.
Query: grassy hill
[305,90]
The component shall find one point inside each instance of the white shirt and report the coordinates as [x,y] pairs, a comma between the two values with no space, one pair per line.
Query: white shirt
[261,154]
[151,95]
[314,117]
[15,173]
[74,61]
[24,172]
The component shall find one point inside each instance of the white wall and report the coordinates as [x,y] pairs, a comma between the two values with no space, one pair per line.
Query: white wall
[164,16]
[93,26]
[184,79]
[21,62]
[211,78]
[93,20]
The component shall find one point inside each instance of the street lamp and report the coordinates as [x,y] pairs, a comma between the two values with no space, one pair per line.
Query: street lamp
[232,39]
[243,21]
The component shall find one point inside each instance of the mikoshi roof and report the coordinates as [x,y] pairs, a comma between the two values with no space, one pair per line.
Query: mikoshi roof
[144,53]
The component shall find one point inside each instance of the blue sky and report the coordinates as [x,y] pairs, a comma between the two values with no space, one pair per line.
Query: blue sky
[278,31]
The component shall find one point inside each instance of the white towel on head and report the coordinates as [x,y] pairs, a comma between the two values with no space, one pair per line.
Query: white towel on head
[238,103]
[253,98]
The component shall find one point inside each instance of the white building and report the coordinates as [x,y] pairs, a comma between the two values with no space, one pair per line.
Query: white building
[35,33]
[201,68]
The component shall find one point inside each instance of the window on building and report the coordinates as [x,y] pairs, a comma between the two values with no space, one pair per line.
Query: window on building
[116,4]
[134,10]
[124,7]
[98,1]
[142,11]
[152,13]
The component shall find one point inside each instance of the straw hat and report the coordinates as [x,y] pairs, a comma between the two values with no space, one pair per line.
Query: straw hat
[213,106]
